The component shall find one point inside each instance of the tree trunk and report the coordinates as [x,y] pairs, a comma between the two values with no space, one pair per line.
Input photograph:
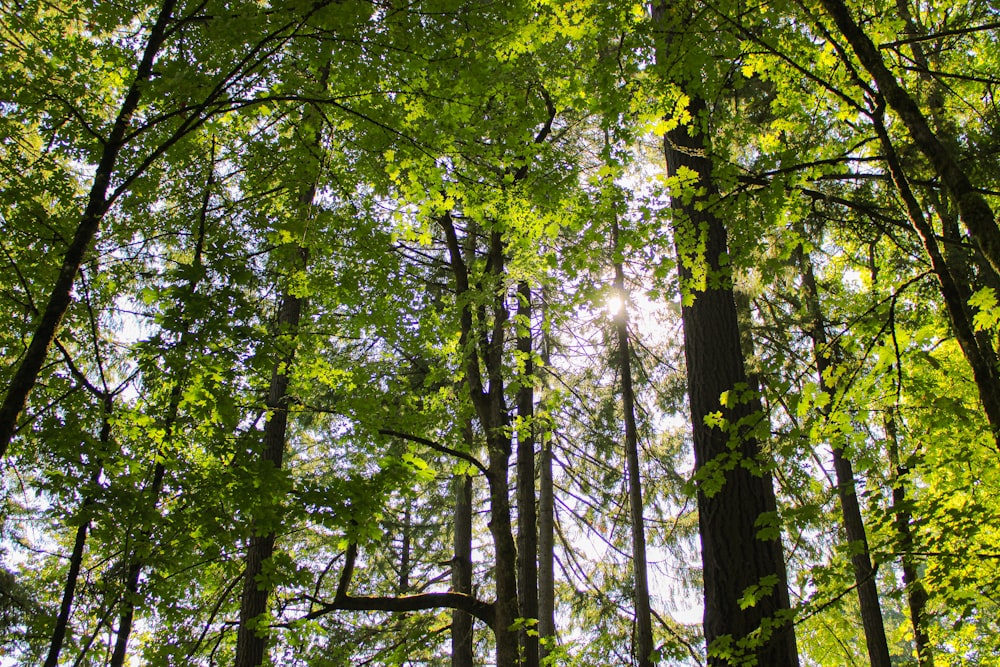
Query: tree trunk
[483,335]
[527,521]
[916,595]
[251,642]
[864,572]
[98,202]
[134,563]
[461,571]
[405,548]
[546,547]
[72,578]
[982,359]
[644,646]
[735,492]
[79,544]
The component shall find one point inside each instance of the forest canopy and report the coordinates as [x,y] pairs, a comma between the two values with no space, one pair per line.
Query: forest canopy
[508,332]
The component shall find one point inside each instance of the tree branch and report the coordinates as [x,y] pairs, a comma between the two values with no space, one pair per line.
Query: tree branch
[468,458]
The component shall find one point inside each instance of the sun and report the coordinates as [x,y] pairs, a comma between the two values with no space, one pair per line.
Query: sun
[615,304]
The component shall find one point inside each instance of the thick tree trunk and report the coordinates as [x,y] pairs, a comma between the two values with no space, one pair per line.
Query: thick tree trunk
[527,521]
[972,206]
[644,646]
[461,572]
[735,491]
[98,202]
[864,572]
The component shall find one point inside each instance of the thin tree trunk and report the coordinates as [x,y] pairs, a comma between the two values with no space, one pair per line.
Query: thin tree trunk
[546,516]
[735,490]
[98,203]
[916,595]
[79,544]
[135,562]
[546,547]
[404,559]
[972,206]
[461,571]
[252,638]
[982,360]
[644,646]
[72,578]
[527,520]
[864,572]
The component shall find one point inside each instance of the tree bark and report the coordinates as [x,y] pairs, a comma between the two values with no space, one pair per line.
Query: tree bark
[98,203]
[461,571]
[735,490]
[404,559]
[546,515]
[527,517]
[546,547]
[864,571]
[252,639]
[644,646]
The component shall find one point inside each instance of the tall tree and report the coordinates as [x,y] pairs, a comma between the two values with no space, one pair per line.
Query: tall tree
[643,618]
[747,608]
[826,355]
[291,261]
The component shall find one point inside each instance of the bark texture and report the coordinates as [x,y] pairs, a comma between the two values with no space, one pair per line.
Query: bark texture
[735,491]
[527,515]
[461,572]
[546,548]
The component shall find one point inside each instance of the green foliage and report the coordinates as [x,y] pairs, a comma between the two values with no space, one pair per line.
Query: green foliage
[526,122]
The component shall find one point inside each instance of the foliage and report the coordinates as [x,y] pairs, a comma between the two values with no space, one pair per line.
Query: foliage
[507,133]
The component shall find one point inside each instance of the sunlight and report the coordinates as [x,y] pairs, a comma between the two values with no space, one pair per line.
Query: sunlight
[615,304]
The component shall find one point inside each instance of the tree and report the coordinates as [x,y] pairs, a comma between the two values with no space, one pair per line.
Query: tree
[747,608]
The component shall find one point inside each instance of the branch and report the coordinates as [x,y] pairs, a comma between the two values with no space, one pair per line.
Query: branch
[937,35]
[420,602]
[468,458]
